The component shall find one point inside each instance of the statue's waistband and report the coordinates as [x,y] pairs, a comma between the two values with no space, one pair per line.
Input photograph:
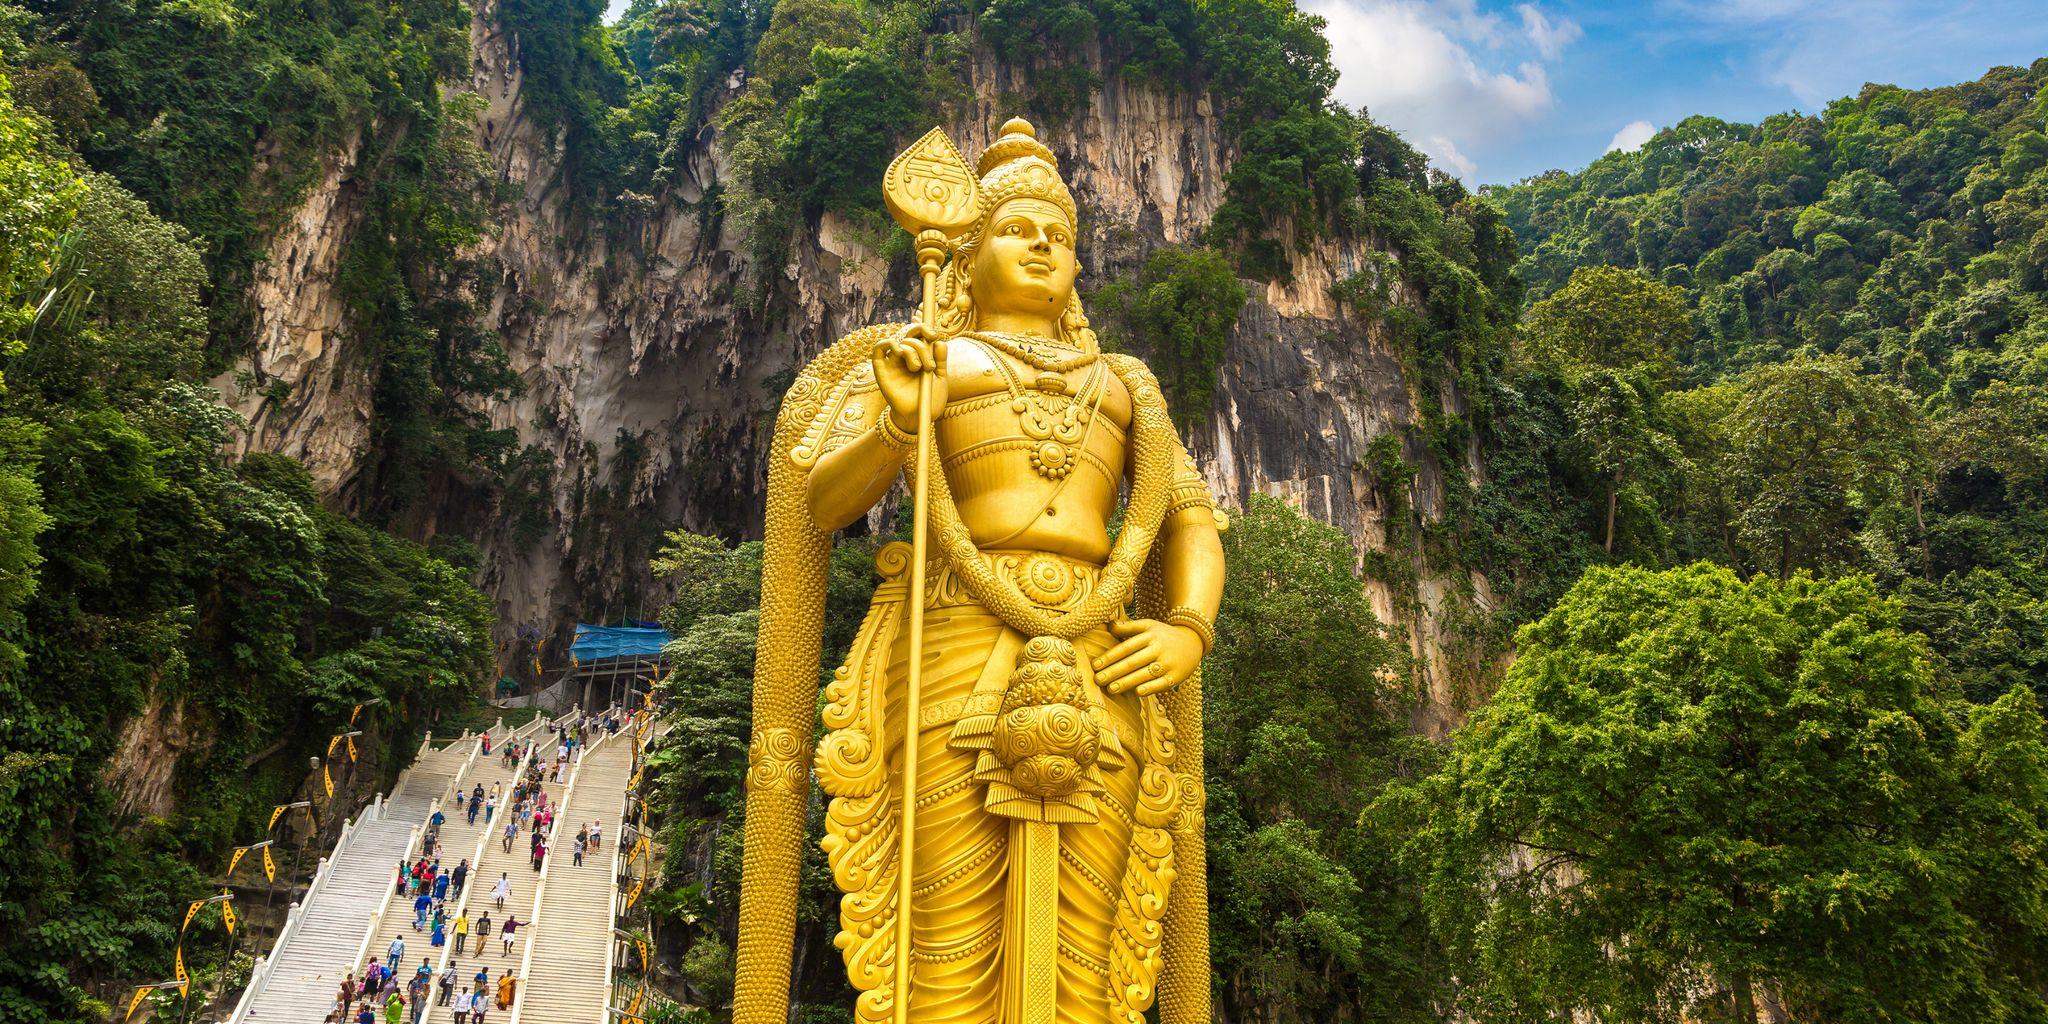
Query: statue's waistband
[1046,579]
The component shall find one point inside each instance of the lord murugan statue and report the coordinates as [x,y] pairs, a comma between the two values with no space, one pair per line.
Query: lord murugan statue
[1012,748]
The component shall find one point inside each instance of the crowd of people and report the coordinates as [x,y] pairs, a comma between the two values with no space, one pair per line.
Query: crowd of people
[360,1002]
[436,894]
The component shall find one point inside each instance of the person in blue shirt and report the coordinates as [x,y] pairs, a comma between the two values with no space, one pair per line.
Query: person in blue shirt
[420,904]
[440,887]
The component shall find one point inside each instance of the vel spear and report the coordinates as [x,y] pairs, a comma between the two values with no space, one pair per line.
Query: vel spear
[932,193]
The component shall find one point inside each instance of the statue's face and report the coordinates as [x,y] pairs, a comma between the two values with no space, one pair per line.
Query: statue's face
[1026,262]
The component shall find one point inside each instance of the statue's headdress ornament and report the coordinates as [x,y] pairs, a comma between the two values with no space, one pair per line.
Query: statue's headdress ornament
[1017,164]
[931,190]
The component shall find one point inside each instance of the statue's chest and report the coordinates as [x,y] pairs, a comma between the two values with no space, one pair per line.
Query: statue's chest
[975,371]
[1051,420]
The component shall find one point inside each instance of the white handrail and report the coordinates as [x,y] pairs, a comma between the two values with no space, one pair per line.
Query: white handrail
[611,946]
[259,976]
[455,780]
[540,888]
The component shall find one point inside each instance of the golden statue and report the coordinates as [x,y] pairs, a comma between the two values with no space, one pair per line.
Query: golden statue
[1052,859]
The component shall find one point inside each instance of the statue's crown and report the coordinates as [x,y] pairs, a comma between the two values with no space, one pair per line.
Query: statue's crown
[1017,164]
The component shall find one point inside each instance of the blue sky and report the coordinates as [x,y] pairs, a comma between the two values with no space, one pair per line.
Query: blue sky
[1495,92]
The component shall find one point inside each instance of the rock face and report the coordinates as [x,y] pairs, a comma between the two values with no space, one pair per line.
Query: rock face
[653,382]
[313,400]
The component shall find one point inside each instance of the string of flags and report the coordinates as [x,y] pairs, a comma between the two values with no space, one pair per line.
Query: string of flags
[182,980]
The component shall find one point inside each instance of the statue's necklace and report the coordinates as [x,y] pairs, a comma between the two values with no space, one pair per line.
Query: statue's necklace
[1055,422]
[1039,353]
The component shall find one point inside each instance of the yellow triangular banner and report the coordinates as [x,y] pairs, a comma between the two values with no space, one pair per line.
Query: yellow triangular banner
[331,744]
[184,979]
[227,915]
[189,912]
[275,814]
[236,860]
[269,867]
[327,781]
[353,712]
[351,750]
[141,993]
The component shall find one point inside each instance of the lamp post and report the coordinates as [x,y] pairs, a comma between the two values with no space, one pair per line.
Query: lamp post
[185,993]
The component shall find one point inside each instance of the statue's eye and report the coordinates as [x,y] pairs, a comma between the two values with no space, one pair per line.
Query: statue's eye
[1013,230]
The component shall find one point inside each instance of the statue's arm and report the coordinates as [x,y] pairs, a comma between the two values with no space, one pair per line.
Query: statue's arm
[1193,562]
[1154,655]
[862,457]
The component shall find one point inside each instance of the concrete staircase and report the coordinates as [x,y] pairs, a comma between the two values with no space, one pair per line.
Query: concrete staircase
[490,859]
[567,962]
[328,933]
[394,919]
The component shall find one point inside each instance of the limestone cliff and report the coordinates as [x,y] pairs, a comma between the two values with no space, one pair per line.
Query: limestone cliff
[653,384]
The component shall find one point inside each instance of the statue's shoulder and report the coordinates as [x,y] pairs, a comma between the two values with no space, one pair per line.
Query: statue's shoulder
[1137,378]
[825,392]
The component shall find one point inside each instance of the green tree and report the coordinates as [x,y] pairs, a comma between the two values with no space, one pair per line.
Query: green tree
[1179,315]
[1813,446]
[1610,318]
[1304,711]
[1615,423]
[1693,793]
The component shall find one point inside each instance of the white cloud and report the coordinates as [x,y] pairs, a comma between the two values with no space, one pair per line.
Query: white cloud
[1550,37]
[1452,78]
[1631,136]
[1446,154]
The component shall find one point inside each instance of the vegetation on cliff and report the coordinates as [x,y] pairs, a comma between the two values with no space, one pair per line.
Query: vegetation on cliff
[178,630]
[221,116]
[1860,379]
[1694,796]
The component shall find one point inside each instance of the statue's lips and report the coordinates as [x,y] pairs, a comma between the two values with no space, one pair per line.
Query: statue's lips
[1038,265]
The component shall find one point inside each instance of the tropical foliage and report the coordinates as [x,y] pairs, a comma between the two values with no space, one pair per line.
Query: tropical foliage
[1861,384]
[1695,796]
[178,629]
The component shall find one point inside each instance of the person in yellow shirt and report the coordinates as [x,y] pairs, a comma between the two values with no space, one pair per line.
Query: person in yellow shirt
[461,929]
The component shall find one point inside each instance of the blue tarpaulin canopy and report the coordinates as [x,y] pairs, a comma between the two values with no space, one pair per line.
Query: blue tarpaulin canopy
[598,642]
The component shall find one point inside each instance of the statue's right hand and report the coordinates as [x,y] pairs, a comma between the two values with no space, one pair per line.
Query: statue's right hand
[899,362]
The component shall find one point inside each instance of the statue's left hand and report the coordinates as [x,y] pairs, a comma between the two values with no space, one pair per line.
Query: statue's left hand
[1151,656]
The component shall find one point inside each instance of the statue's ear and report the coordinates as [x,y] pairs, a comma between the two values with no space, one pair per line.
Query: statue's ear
[963,283]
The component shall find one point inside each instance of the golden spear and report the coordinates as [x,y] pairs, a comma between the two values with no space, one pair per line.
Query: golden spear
[932,193]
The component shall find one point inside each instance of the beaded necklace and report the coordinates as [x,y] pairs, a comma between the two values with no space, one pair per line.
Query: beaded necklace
[1056,423]
[1039,353]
